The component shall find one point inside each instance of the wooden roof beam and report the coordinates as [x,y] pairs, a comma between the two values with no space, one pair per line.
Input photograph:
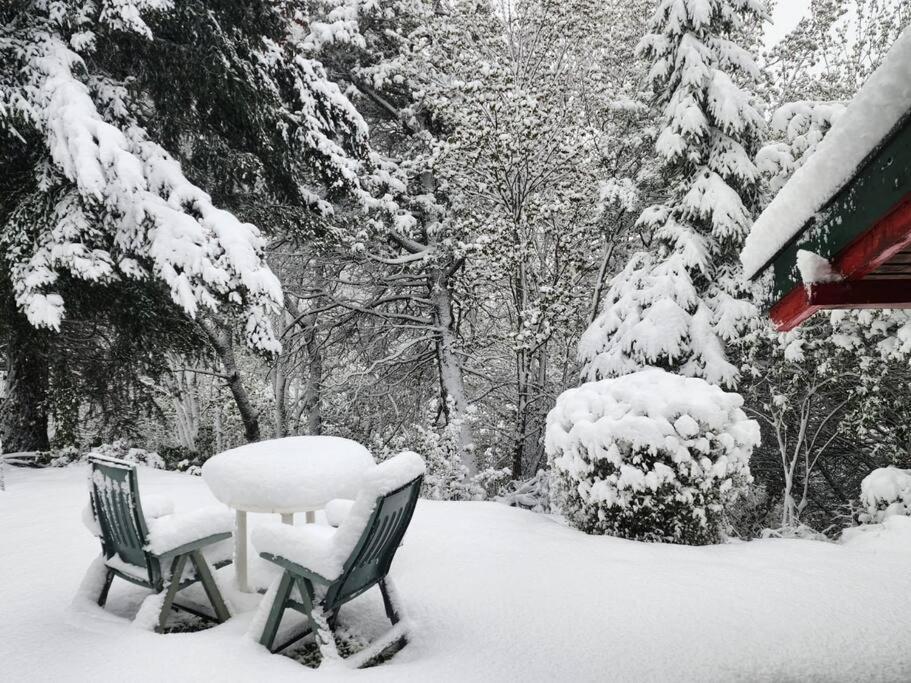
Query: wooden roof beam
[802,302]
[873,248]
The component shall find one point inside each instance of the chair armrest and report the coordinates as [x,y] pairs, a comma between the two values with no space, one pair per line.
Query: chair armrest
[297,569]
[194,545]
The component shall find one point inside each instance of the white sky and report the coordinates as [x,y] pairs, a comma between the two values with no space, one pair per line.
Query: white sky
[784,18]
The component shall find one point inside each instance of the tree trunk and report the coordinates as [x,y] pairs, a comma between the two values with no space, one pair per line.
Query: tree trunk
[599,283]
[523,371]
[523,382]
[23,407]
[280,395]
[313,392]
[220,339]
[216,427]
[452,384]
[313,388]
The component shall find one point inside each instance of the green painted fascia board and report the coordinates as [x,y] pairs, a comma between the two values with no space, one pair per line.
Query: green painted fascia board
[880,183]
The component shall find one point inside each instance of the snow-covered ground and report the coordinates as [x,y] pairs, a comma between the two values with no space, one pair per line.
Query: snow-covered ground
[495,594]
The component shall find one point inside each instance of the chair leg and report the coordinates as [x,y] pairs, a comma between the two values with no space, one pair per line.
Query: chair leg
[390,598]
[276,612]
[391,610]
[325,636]
[323,630]
[211,588]
[108,579]
[173,585]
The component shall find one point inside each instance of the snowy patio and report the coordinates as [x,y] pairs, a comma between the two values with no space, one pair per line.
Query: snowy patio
[492,593]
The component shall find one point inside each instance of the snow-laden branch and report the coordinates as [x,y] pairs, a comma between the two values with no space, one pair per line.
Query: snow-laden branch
[155,221]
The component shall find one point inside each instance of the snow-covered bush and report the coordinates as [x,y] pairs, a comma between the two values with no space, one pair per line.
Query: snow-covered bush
[60,457]
[532,494]
[119,449]
[750,512]
[885,492]
[446,477]
[650,456]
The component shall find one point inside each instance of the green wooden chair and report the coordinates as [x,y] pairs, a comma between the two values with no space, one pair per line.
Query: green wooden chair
[130,554]
[323,590]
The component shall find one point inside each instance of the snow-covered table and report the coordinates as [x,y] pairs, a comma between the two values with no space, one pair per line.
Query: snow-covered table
[283,476]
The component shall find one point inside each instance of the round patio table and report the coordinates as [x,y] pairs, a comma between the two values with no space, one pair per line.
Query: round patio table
[283,476]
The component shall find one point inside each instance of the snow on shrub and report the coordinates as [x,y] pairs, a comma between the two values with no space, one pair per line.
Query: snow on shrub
[446,477]
[650,456]
[532,494]
[119,449]
[885,492]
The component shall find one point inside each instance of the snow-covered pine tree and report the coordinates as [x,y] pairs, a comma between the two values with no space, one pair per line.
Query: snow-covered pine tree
[138,140]
[801,127]
[679,304]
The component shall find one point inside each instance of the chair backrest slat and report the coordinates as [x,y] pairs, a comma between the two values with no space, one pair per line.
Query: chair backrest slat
[391,522]
[115,500]
[382,535]
[376,540]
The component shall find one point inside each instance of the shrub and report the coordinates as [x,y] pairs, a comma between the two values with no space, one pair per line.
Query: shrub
[650,456]
[532,494]
[182,459]
[883,493]
[118,449]
[446,477]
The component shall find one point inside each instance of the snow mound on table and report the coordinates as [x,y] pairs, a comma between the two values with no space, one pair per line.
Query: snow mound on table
[172,531]
[884,493]
[876,109]
[287,475]
[325,550]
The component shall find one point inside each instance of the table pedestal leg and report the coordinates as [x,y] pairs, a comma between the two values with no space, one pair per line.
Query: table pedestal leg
[240,550]
[311,517]
[288,519]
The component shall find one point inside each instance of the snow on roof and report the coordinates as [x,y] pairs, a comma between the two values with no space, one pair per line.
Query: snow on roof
[875,111]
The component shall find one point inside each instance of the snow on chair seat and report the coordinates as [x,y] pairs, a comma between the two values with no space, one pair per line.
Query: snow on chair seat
[311,545]
[337,509]
[170,532]
[154,552]
[330,567]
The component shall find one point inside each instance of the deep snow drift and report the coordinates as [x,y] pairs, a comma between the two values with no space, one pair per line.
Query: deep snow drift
[494,593]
